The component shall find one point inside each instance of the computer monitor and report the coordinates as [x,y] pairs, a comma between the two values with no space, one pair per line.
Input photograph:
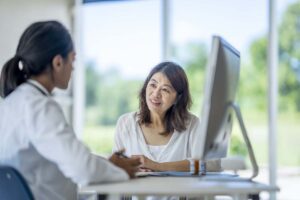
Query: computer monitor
[221,82]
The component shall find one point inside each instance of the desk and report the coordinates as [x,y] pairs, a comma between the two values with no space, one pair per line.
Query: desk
[179,186]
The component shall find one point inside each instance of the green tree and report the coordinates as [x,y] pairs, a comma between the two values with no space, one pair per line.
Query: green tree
[289,52]
[193,58]
[115,96]
[107,96]
[92,81]
[253,81]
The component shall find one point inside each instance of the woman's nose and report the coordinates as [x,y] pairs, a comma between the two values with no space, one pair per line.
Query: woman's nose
[156,92]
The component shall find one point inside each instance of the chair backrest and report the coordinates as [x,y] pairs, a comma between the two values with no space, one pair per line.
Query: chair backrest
[12,185]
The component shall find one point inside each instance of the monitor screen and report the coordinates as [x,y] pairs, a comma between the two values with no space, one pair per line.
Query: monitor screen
[221,81]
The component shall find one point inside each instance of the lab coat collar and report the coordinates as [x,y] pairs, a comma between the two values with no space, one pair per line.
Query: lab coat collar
[39,86]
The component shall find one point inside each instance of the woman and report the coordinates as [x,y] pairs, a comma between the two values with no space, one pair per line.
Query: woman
[35,137]
[163,134]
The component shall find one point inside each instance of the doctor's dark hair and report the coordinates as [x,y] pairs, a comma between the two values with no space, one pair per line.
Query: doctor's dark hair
[177,116]
[37,47]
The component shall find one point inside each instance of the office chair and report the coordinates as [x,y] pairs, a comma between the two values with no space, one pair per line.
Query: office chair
[12,185]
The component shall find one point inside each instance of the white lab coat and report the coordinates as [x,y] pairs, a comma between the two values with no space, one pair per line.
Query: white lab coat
[37,140]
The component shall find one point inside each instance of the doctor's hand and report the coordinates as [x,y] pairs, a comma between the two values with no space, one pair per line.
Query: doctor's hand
[130,165]
[146,163]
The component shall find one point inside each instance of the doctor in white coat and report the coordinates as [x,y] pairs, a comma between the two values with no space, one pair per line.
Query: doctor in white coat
[35,137]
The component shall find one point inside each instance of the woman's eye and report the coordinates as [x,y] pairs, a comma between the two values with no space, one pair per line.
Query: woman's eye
[152,85]
[165,90]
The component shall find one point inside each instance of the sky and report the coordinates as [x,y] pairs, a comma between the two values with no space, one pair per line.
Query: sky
[127,34]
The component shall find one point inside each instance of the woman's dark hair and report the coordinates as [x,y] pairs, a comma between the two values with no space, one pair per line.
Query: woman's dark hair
[37,47]
[177,115]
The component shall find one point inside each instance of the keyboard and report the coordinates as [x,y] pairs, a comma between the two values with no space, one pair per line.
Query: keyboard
[209,176]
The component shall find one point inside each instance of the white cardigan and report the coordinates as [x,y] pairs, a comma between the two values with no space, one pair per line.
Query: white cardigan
[184,145]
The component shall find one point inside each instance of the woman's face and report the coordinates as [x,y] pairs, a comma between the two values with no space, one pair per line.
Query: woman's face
[160,94]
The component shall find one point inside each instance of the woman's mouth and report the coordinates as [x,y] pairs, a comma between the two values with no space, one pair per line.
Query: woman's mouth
[155,102]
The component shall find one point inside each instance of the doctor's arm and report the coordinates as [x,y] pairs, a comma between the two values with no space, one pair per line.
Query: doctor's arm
[55,140]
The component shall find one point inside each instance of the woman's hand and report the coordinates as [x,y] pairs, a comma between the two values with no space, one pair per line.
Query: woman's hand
[146,163]
[130,165]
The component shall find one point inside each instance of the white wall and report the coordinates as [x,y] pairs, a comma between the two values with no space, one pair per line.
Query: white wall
[17,15]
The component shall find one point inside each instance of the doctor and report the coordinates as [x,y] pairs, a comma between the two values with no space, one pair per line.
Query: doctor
[35,137]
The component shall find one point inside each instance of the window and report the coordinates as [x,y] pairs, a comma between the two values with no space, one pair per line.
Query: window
[121,44]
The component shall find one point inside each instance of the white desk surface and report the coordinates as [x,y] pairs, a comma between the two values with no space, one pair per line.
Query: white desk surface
[188,186]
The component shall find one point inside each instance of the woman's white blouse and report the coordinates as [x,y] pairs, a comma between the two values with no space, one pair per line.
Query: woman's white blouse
[37,140]
[181,146]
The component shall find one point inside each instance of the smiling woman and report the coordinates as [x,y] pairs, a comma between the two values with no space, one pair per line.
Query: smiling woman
[163,134]
[165,95]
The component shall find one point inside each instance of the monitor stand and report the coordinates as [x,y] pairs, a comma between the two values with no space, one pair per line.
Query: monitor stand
[206,175]
[238,114]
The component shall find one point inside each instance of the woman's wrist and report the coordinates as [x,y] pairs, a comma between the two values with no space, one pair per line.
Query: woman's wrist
[156,166]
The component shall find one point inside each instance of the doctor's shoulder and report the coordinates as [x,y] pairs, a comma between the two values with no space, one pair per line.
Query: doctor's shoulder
[40,104]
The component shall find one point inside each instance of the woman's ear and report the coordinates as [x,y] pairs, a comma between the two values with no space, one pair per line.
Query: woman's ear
[57,63]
